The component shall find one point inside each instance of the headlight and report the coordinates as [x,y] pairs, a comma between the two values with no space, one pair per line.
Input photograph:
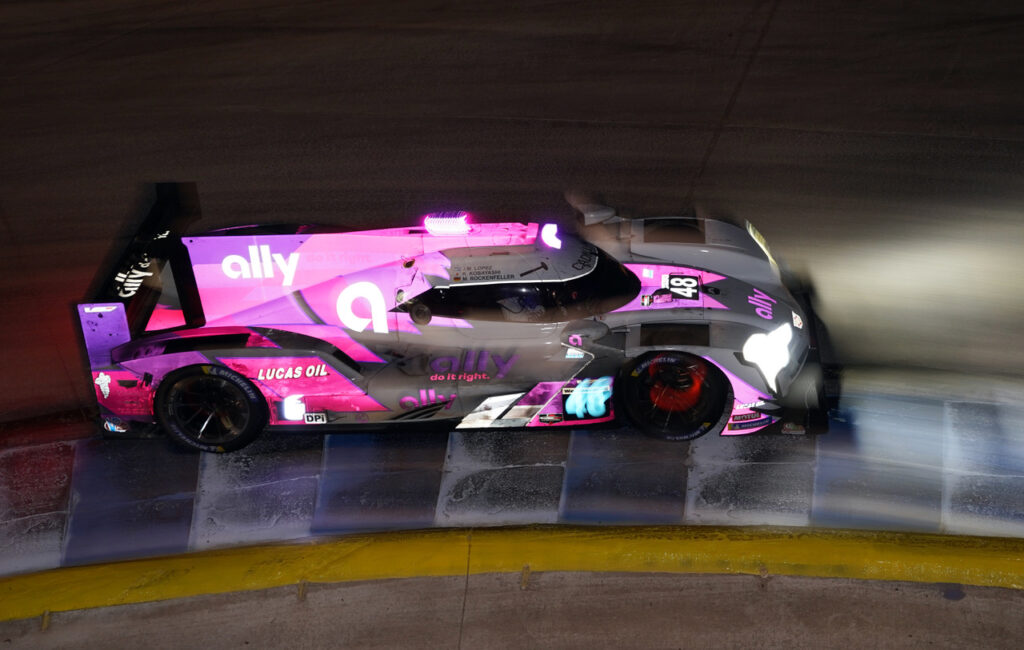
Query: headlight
[769,352]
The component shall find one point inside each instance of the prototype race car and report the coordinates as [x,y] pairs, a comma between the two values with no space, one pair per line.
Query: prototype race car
[681,325]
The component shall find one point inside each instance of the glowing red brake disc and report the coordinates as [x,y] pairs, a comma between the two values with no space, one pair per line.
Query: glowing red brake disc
[682,390]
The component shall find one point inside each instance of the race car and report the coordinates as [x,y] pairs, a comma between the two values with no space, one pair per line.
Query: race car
[679,326]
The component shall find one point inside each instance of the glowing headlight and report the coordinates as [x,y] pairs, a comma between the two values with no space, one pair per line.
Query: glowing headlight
[769,352]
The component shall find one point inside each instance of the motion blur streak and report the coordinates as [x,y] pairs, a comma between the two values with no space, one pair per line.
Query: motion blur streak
[925,462]
[938,290]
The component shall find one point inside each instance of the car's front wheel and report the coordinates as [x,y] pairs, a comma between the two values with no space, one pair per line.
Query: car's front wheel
[210,408]
[674,395]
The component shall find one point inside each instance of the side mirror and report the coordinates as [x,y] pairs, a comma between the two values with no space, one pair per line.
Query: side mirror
[420,314]
[592,211]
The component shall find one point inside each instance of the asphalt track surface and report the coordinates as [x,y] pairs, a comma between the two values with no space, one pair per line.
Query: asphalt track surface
[877,146]
[553,610]
[549,586]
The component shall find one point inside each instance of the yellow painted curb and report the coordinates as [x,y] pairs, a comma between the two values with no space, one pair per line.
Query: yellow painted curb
[981,561]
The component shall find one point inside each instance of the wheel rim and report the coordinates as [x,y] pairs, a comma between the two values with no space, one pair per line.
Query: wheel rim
[209,409]
[674,395]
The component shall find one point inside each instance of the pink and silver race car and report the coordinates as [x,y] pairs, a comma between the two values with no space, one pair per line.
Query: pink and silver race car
[682,326]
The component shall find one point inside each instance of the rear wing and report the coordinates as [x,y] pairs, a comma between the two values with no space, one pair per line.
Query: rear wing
[150,286]
[154,270]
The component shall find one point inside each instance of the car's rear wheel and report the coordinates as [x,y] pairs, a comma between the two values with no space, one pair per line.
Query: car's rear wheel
[673,395]
[210,408]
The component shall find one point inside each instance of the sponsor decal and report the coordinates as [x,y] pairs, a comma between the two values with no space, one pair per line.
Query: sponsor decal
[103,309]
[589,398]
[467,377]
[293,372]
[426,397]
[472,365]
[643,366]
[753,424]
[550,418]
[686,287]
[372,294]
[658,298]
[746,416]
[261,264]
[114,425]
[103,381]
[315,418]
[572,353]
[586,258]
[762,303]
[127,283]
[797,321]
[751,405]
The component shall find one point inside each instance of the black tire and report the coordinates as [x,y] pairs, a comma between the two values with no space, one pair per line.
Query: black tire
[210,408]
[674,396]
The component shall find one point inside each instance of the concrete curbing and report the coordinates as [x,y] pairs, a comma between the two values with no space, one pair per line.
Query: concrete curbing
[863,555]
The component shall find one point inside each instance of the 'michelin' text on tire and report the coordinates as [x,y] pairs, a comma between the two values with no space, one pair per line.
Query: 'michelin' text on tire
[210,408]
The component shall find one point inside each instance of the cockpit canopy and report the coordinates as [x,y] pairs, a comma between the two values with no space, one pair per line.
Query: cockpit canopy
[537,284]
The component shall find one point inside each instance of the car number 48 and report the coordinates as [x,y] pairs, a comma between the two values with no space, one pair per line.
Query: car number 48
[684,286]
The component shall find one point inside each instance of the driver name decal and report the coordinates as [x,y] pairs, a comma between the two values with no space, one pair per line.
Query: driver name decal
[481,273]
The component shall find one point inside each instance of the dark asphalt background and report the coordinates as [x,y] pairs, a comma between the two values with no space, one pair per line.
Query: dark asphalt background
[877,145]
